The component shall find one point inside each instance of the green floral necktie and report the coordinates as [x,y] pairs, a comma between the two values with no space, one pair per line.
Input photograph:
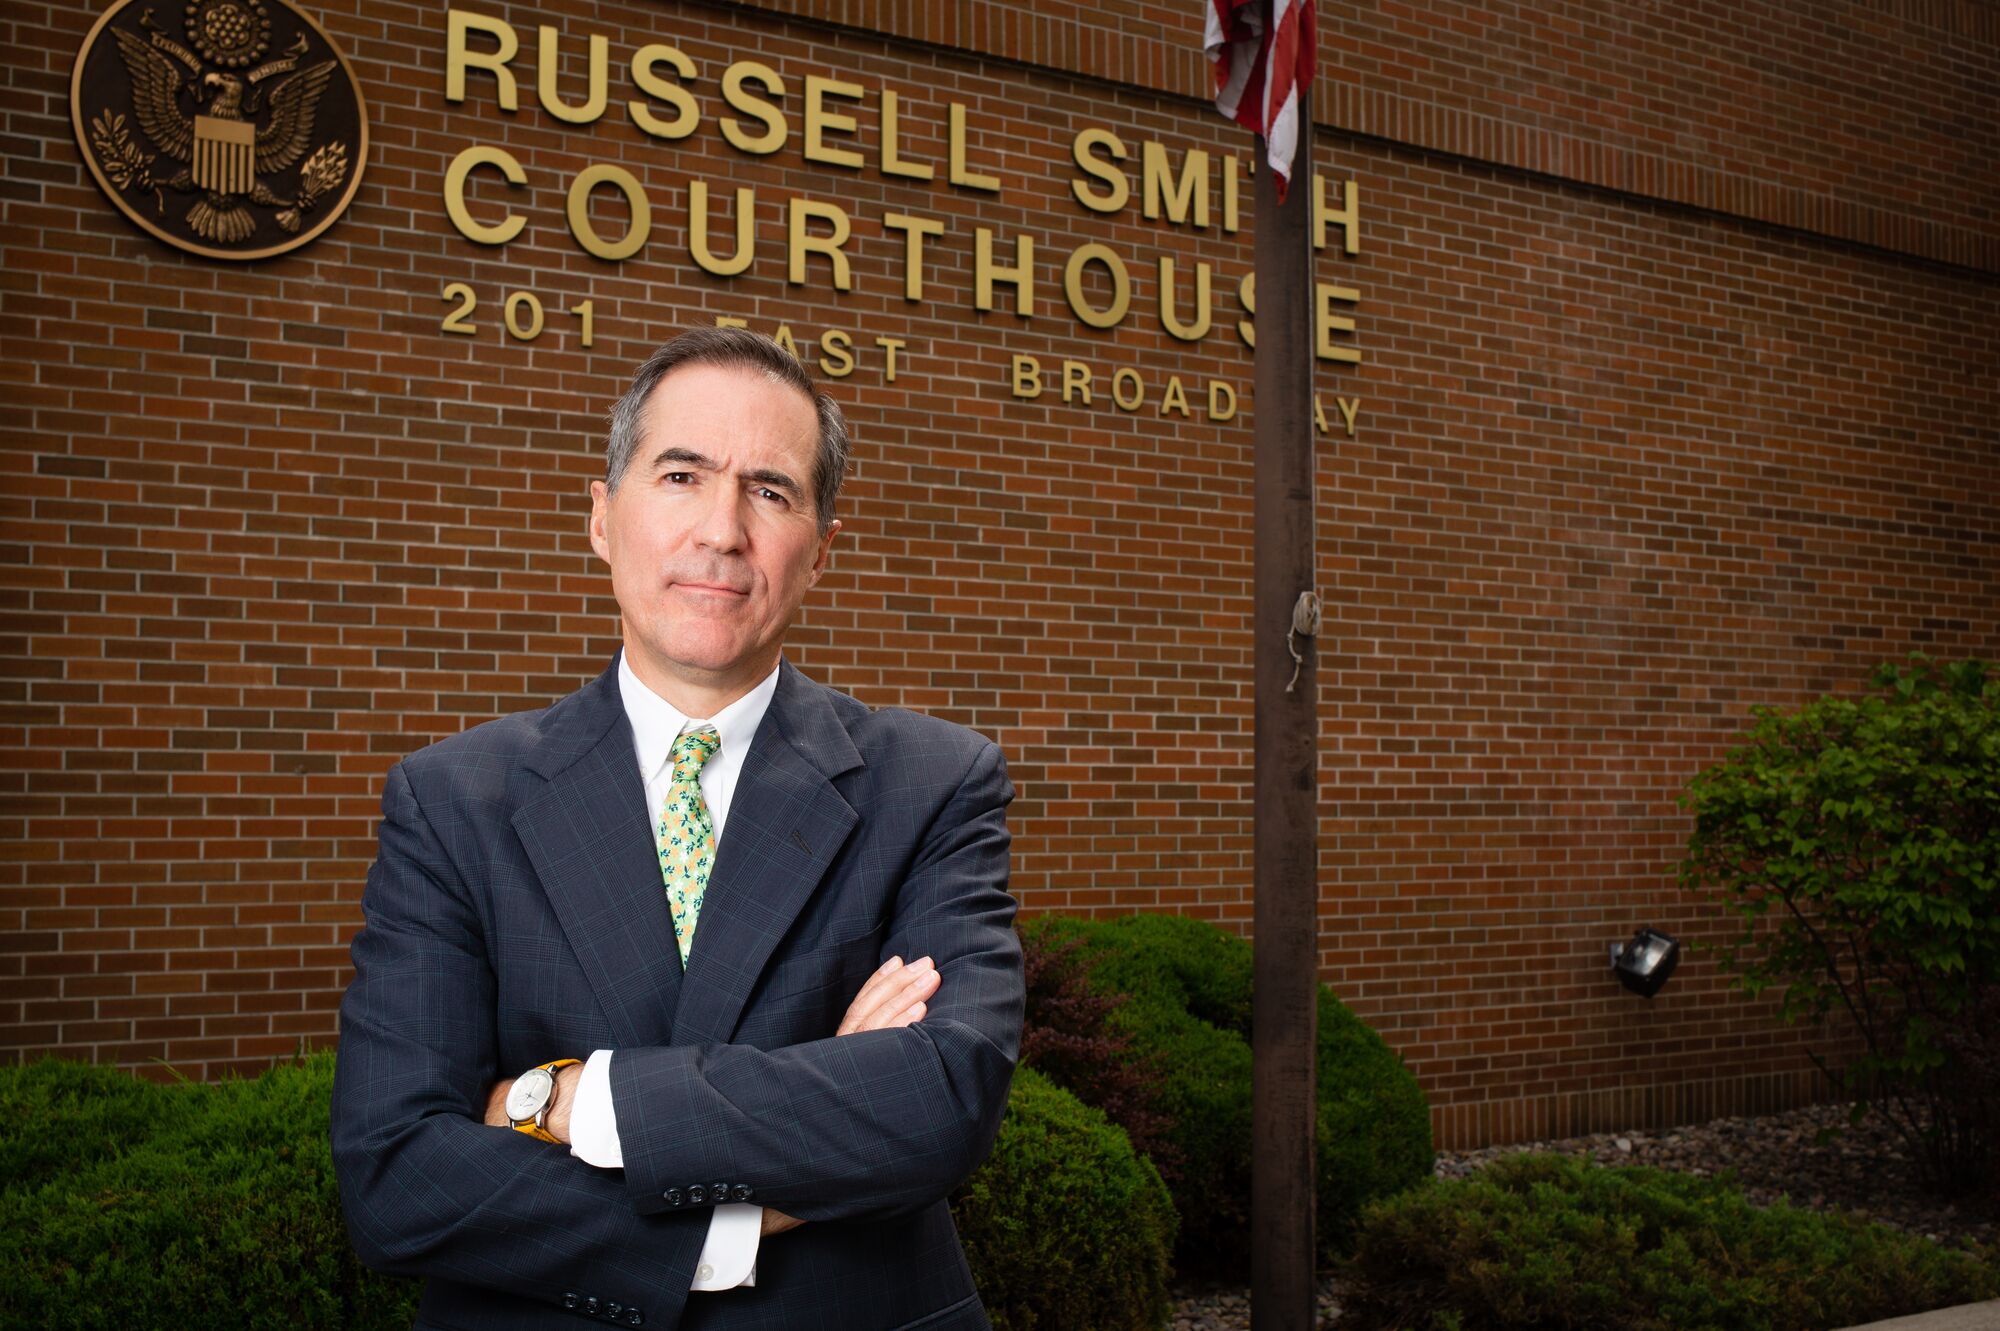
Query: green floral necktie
[687,834]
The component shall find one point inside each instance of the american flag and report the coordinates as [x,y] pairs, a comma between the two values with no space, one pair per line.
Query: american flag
[1261,64]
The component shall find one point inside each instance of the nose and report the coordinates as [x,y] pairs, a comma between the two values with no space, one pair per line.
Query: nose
[719,526]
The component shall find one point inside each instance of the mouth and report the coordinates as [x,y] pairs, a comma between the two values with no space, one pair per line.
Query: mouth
[715,589]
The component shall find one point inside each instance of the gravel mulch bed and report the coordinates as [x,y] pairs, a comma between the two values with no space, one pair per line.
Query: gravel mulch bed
[1812,1155]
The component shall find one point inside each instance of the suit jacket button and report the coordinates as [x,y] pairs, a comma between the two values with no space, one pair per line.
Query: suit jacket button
[696,1194]
[720,1192]
[612,1310]
[569,1300]
[590,1305]
[632,1317]
[672,1196]
[742,1192]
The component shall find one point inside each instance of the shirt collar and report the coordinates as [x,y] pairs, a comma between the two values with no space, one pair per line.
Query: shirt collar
[657,723]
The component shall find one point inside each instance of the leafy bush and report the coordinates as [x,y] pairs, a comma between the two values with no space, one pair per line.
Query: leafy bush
[1065,1225]
[1859,840]
[1064,1035]
[134,1205]
[1187,985]
[1544,1241]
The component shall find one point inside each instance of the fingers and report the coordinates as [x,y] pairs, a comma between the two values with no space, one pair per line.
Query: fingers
[777,1222]
[892,998]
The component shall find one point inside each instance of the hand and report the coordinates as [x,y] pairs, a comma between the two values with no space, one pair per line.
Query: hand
[777,1222]
[557,1122]
[892,998]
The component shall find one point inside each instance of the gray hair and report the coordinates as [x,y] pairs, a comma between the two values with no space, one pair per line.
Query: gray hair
[747,350]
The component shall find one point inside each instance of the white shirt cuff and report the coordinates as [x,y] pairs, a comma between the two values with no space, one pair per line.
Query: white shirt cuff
[729,1257]
[593,1125]
[729,1254]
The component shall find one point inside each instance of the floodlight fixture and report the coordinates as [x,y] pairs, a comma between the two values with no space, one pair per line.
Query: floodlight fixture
[1643,962]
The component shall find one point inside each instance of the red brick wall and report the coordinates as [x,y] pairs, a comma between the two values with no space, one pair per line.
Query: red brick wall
[1623,467]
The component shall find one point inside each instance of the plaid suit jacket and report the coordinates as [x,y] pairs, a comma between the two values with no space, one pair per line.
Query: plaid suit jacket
[515,914]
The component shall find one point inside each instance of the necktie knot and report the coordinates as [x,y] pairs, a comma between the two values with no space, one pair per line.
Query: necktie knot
[692,751]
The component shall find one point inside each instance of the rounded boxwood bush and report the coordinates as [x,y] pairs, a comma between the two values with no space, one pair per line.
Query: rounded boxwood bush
[179,1205]
[1545,1241]
[1188,988]
[1065,1225]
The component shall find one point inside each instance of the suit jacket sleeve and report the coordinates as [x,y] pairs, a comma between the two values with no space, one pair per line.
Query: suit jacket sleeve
[429,1189]
[861,1126]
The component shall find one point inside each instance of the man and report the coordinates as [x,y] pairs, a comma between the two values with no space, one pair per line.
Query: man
[643,952]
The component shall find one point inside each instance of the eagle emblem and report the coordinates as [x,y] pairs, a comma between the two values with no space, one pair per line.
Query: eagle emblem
[208,140]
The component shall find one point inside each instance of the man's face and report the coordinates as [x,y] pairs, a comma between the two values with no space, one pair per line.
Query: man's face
[712,536]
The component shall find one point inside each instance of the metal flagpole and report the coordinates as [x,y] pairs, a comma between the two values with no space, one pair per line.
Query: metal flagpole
[1285,1030]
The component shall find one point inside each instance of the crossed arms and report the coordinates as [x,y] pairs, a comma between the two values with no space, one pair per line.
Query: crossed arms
[881,1117]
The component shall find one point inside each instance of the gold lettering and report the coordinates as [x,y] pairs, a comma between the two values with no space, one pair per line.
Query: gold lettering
[1246,290]
[1076,376]
[730,321]
[746,234]
[838,345]
[1175,397]
[549,64]
[1027,377]
[603,173]
[454,193]
[1124,376]
[783,337]
[686,117]
[457,59]
[1347,217]
[1349,410]
[820,121]
[1189,193]
[1221,401]
[1319,416]
[1118,191]
[776,128]
[985,272]
[802,244]
[1331,323]
[891,345]
[1121,285]
[1229,193]
[892,160]
[914,229]
[1170,300]
[961,174]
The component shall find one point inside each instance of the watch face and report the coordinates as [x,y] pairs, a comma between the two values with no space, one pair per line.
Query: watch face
[529,1094]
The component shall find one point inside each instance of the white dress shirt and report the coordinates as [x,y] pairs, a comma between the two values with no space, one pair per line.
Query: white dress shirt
[729,1256]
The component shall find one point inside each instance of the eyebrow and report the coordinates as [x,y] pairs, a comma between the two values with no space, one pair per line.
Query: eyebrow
[686,457]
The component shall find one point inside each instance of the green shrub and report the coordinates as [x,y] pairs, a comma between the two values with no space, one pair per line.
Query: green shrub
[1545,1241]
[133,1205]
[1189,986]
[1065,1225]
[1859,842]
[165,1205]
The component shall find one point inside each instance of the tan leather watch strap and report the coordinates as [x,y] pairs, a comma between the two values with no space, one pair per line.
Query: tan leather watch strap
[533,1126]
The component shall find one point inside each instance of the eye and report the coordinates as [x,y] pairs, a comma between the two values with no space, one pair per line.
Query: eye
[765,492]
[678,477]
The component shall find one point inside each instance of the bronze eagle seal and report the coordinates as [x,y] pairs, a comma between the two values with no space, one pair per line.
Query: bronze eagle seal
[238,132]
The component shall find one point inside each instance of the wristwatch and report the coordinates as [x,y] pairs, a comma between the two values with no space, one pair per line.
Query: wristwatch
[529,1098]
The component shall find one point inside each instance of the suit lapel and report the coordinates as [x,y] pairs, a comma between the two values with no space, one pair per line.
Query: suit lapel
[786,824]
[588,835]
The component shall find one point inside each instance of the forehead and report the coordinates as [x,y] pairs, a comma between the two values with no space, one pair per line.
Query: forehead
[716,406]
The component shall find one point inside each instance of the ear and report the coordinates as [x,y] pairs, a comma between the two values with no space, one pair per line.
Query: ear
[825,549]
[600,514]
